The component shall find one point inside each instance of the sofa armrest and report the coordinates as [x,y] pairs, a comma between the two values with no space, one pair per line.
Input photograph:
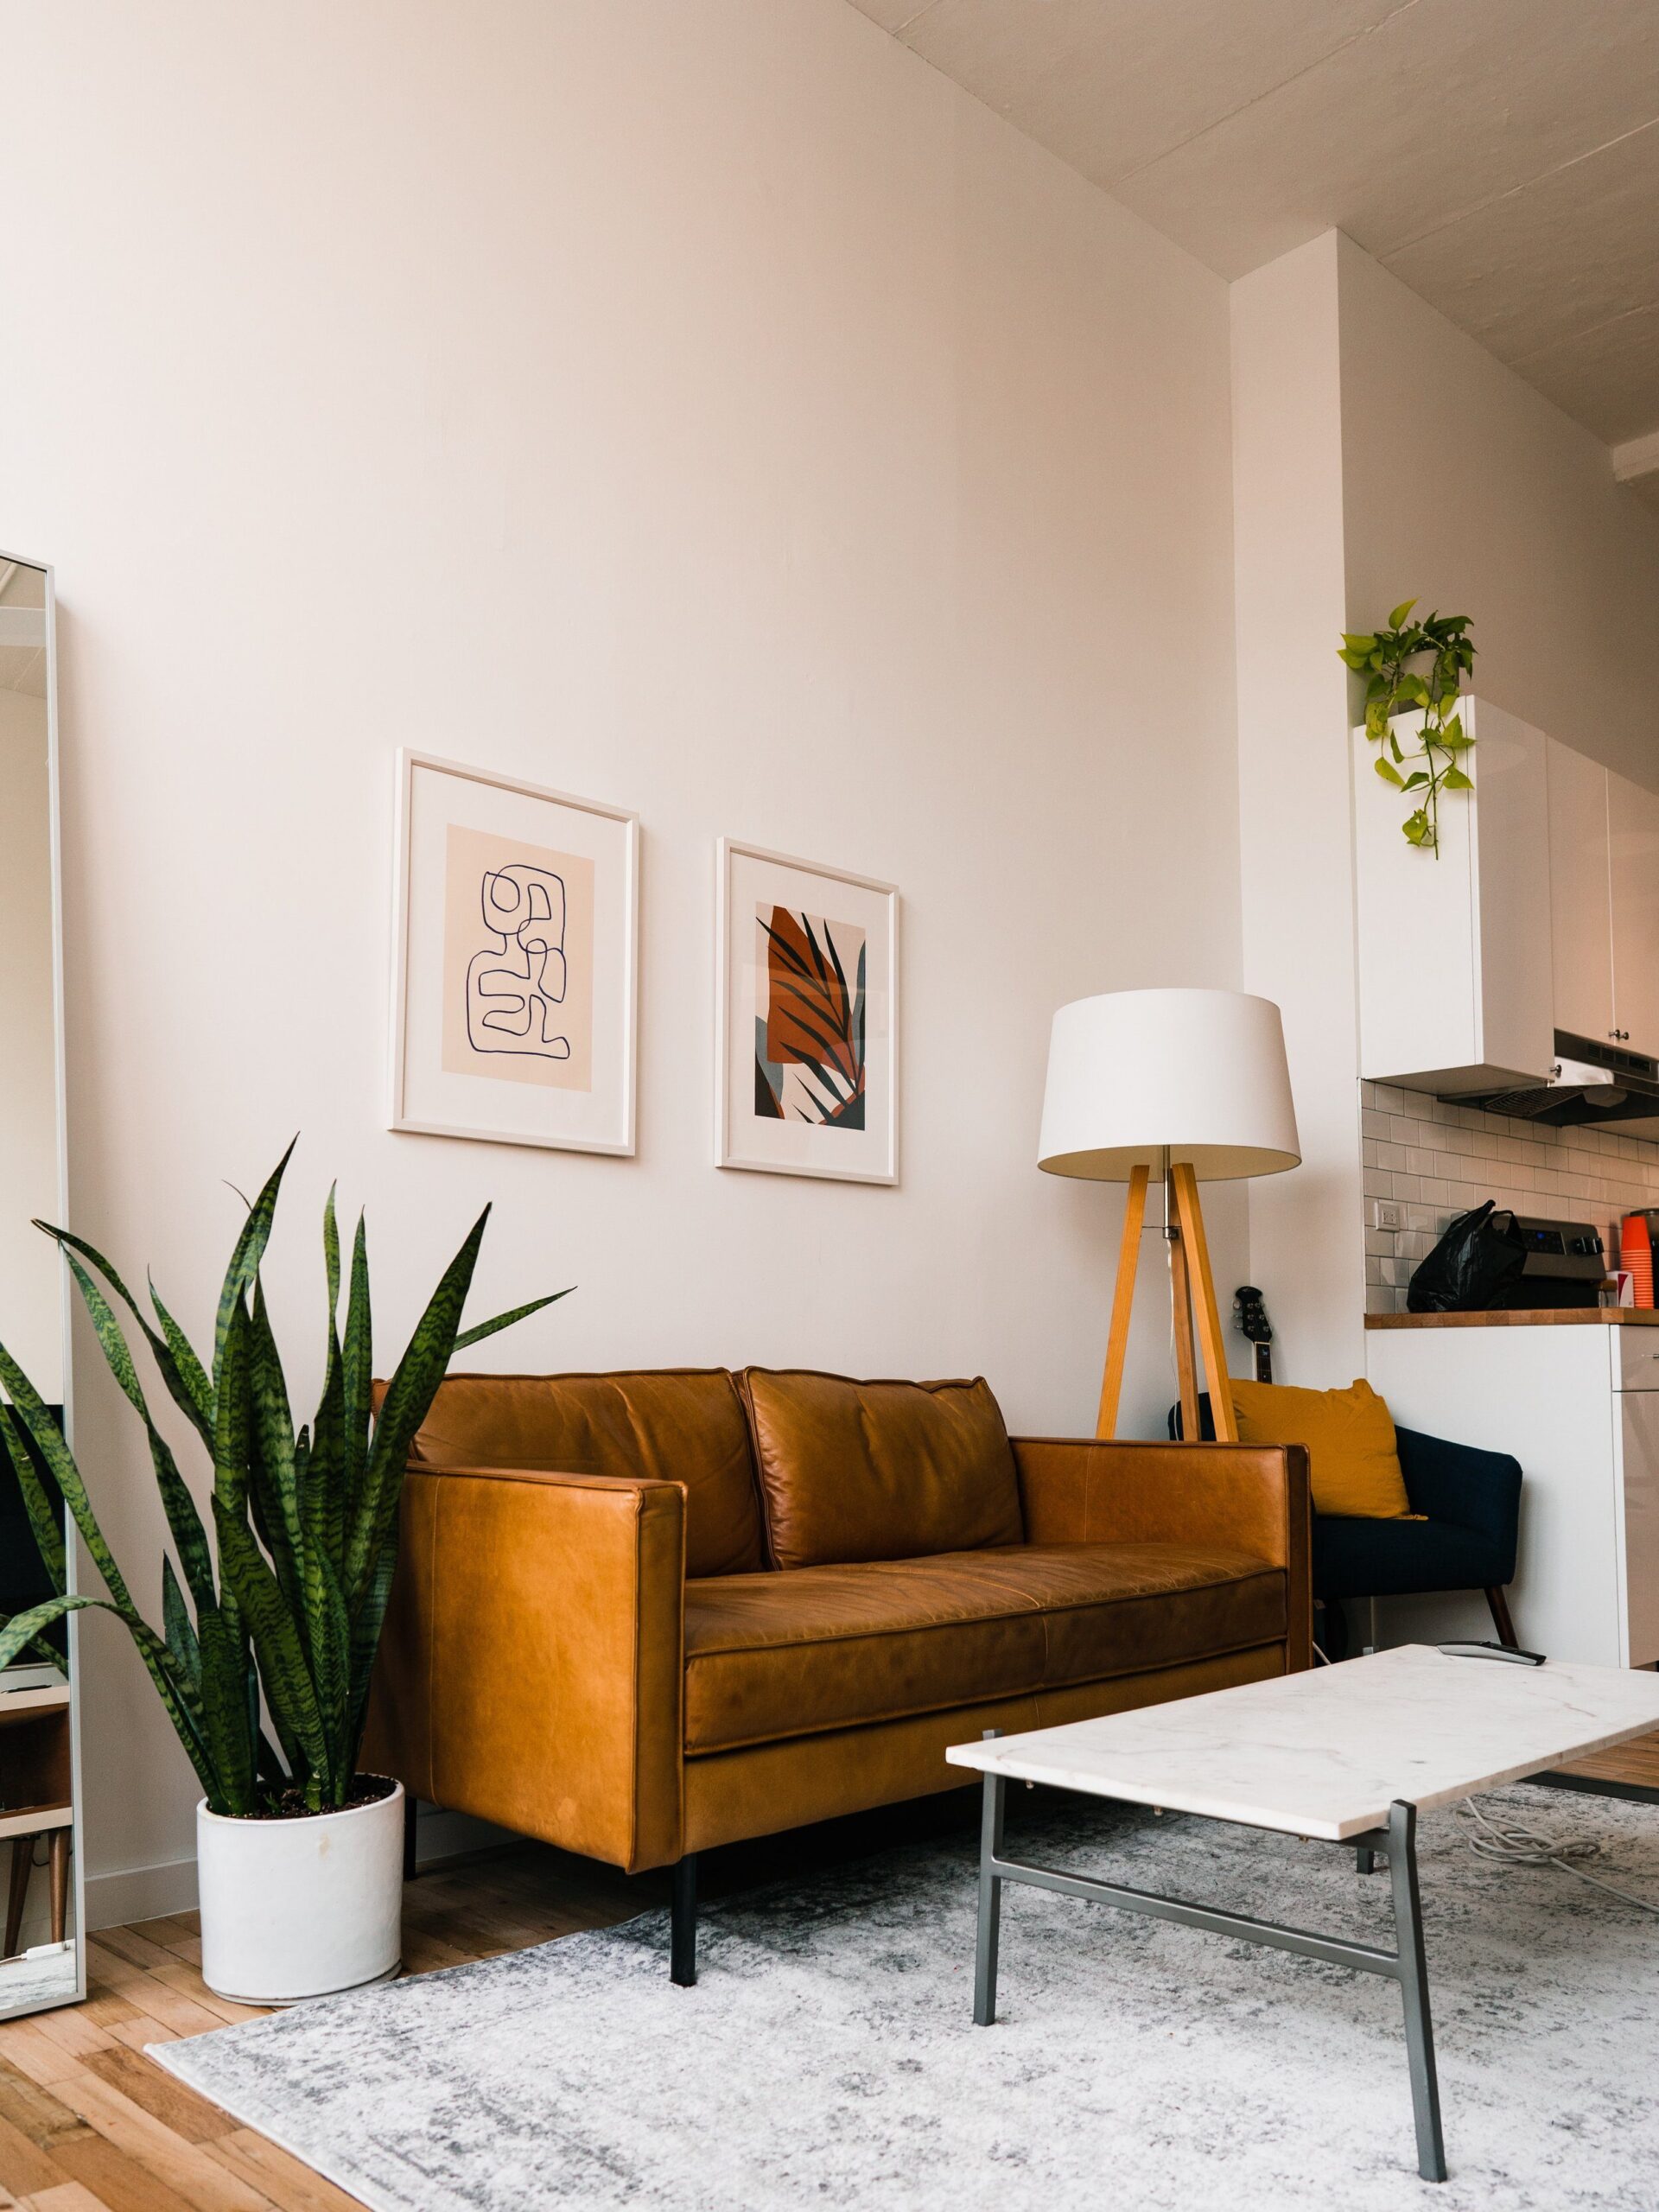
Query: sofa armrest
[532,1668]
[1469,1488]
[1255,1496]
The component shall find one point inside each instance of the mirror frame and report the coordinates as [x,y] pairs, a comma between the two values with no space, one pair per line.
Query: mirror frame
[72,1625]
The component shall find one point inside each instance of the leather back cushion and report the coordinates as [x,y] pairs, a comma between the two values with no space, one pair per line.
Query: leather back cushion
[863,1470]
[682,1425]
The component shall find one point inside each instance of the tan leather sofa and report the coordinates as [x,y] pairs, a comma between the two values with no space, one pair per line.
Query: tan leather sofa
[639,1615]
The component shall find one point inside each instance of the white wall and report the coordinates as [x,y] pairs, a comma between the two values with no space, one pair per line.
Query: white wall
[712,411]
[1464,485]
[31,1308]
[1527,533]
[1296,850]
[1380,452]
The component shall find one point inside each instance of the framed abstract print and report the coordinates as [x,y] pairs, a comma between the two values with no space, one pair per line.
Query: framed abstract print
[807,978]
[513,961]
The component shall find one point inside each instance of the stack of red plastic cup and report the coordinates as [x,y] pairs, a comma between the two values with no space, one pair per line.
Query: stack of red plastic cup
[1636,1256]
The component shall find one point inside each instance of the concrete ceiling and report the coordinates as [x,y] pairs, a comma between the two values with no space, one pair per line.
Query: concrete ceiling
[1500,157]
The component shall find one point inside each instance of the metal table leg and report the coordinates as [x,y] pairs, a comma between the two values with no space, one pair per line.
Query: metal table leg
[1407,1964]
[991,1898]
[1414,1989]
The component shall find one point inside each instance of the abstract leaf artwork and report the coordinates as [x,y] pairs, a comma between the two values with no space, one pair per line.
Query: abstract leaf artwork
[807,960]
[808,1036]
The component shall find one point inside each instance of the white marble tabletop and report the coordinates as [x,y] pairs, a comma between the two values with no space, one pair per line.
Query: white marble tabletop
[1325,1754]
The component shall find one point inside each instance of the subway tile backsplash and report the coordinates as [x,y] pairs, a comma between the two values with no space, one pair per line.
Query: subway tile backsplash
[1438,1160]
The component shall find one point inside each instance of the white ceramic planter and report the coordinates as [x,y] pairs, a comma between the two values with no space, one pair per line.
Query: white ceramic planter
[293,1910]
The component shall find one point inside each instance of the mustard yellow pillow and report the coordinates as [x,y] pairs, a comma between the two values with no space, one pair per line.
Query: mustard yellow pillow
[1352,1459]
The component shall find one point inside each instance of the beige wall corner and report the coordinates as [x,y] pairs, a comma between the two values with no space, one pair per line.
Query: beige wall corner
[714,412]
[1296,861]
[1466,487]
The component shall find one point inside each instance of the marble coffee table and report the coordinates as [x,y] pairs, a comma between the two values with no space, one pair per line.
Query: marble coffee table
[1348,1754]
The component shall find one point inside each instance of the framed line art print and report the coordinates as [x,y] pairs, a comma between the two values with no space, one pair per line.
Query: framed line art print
[807,966]
[514,960]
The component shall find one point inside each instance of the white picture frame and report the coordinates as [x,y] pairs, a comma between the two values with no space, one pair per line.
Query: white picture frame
[808,1127]
[515,960]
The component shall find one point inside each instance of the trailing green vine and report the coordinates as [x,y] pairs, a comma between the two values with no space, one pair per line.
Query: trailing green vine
[1390,688]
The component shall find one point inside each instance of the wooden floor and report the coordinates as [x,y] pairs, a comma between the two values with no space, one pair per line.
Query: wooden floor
[1635,1764]
[88,2123]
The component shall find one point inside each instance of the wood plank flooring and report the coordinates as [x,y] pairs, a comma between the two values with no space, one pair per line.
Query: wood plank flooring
[1637,1762]
[89,2124]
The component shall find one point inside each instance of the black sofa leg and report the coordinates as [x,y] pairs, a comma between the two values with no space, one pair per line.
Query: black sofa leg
[409,1836]
[1499,1606]
[683,1939]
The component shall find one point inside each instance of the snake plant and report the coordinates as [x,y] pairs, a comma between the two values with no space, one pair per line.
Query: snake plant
[306,1523]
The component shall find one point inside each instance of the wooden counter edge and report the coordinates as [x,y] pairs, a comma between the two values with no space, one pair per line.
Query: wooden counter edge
[1606,1316]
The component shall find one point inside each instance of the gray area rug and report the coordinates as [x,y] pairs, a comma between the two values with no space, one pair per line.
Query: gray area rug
[828,2055]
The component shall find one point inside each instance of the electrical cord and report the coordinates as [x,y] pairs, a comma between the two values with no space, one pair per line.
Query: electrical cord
[1511,1843]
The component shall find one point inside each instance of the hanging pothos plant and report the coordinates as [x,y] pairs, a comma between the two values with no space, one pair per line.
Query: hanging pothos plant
[1383,659]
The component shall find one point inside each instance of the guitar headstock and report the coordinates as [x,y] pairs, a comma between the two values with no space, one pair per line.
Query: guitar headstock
[1250,1315]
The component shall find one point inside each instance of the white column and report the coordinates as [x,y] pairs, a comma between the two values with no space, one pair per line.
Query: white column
[1307,1241]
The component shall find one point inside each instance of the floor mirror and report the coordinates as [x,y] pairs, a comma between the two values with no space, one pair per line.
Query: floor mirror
[40,1962]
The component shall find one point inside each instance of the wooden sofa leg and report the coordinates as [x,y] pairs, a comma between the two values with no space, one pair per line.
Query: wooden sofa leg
[1499,1606]
[410,1867]
[22,1854]
[59,1865]
[683,1937]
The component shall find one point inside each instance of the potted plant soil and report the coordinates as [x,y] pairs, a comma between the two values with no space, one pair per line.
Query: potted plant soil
[270,1630]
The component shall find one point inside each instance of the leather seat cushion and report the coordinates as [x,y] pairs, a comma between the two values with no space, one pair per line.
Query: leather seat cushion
[878,1471]
[683,1425]
[775,1656]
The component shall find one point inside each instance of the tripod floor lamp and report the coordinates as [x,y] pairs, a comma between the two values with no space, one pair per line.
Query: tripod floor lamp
[1193,1085]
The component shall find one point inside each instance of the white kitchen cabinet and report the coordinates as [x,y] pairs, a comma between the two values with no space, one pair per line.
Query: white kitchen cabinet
[1604,903]
[1633,900]
[1454,952]
[1581,926]
[1636,1438]
[1578,1405]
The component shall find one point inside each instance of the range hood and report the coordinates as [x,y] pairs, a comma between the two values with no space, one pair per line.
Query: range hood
[1587,1083]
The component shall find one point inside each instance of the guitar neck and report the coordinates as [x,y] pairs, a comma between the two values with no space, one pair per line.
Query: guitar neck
[1264,1363]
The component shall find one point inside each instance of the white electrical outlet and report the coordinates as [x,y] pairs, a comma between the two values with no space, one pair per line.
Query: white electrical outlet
[1388,1213]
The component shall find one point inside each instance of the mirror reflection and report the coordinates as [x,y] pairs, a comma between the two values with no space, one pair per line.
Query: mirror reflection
[38,1963]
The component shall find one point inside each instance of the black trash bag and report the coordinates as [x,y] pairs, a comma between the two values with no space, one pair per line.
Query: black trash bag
[1481,1253]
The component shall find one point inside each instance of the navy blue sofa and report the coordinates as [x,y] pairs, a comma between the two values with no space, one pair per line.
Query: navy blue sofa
[1472,1500]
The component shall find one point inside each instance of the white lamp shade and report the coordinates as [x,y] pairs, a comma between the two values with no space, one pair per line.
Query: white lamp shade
[1202,1072]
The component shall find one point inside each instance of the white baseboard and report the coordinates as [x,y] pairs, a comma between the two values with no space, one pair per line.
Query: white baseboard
[140,1893]
[147,1892]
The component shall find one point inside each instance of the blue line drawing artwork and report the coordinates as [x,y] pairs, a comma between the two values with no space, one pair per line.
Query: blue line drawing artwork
[515,986]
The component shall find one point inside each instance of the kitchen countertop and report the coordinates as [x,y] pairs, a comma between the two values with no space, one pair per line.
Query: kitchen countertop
[1524,1317]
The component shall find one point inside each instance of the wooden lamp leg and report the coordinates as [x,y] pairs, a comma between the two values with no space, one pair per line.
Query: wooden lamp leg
[1180,1295]
[1211,1340]
[1117,1347]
